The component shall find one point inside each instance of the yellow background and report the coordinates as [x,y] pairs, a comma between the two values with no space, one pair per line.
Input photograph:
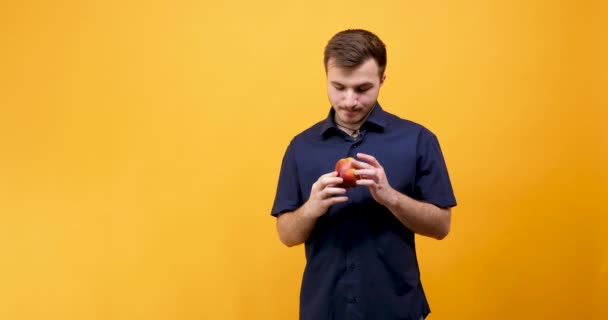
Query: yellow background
[140,144]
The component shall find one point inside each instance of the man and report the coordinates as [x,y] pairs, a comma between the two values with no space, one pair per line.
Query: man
[360,252]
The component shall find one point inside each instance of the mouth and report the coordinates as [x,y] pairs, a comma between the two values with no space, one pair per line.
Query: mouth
[350,110]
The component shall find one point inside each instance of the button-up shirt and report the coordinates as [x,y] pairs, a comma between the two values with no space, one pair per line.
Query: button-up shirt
[360,259]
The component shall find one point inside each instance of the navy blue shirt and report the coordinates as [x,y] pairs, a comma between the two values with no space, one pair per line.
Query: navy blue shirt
[360,260]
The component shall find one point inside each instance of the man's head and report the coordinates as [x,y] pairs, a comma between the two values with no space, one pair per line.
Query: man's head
[351,48]
[355,61]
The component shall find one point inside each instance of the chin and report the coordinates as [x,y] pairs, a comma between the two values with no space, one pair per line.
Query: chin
[350,117]
[347,120]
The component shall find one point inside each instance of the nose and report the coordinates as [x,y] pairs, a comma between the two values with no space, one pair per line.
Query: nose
[350,99]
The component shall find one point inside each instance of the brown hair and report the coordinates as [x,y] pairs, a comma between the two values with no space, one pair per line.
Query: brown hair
[351,48]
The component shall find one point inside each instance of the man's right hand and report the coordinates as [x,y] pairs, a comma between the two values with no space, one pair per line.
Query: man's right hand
[324,193]
[295,227]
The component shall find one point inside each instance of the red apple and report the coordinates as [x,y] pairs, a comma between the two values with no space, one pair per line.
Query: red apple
[346,171]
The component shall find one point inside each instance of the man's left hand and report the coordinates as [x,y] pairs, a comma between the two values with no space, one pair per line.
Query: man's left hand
[372,175]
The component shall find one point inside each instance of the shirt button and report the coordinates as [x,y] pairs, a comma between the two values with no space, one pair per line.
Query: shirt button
[355,146]
[353,300]
[352,266]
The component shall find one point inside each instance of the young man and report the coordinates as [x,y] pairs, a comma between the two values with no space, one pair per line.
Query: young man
[360,252]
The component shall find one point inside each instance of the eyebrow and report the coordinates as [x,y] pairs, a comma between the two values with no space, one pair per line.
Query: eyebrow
[358,85]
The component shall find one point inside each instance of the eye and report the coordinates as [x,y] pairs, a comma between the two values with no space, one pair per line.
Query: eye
[338,87]
[363,89]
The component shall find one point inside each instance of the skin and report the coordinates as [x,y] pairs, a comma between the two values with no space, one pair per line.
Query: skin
[353,92]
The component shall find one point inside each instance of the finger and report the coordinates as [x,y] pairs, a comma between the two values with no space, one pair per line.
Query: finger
[335,200]
[363,165]
[329,181]
[366,182]
[333,191]
[366,173]
[358,164]
[369,159]
[323,181]
[329,174]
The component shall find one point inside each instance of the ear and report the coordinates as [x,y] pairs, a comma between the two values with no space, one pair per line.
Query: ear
[382,79]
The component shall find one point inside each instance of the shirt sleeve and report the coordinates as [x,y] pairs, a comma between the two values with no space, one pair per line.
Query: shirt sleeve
[432,180]
[288,194]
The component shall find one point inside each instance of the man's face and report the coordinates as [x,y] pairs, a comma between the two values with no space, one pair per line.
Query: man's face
[353,92]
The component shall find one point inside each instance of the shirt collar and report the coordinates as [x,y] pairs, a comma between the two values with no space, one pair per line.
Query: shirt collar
[378,118]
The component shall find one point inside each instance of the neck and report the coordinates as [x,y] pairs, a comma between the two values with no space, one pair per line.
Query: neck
[349,126]
[352,129]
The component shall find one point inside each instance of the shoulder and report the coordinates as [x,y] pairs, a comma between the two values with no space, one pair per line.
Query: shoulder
[310,134]
[394,122]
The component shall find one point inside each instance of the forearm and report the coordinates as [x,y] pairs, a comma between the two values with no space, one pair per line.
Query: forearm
[295,227]
[420,217]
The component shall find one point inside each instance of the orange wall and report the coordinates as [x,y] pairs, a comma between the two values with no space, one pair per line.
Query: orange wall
[140,145]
